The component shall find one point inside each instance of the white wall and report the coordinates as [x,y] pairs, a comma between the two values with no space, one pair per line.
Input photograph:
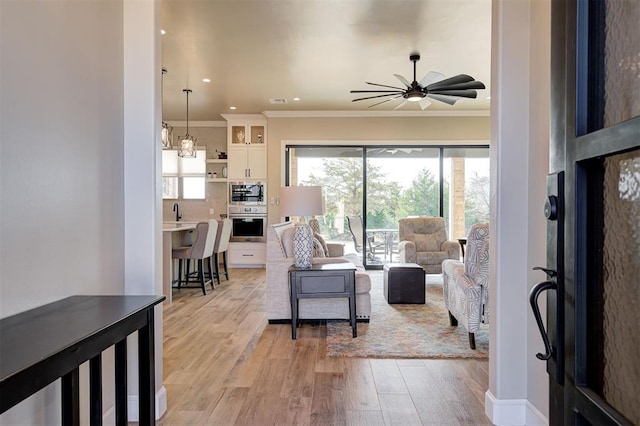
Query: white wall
[65,196]
[519,159]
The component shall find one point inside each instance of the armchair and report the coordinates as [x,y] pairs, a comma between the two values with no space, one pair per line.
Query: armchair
[466,285]
[423,240]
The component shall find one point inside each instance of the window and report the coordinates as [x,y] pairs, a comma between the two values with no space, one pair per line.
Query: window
[183,178]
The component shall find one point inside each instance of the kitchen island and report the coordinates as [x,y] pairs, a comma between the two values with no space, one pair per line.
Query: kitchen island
[174,234]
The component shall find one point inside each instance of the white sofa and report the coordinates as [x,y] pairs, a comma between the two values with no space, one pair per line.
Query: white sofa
[280,258]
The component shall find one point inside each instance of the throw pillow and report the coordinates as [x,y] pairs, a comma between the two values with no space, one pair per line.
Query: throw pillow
[322,242]
[286,238]
[318,251]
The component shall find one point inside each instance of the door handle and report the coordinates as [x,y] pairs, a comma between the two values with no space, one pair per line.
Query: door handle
[533,300]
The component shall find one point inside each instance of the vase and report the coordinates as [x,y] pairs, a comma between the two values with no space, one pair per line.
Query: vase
[303,245]
[224,171]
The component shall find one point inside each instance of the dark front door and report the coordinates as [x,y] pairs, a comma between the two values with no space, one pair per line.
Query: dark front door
[594,220]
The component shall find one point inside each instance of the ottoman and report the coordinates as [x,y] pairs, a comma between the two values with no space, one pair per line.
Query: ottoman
[404,283]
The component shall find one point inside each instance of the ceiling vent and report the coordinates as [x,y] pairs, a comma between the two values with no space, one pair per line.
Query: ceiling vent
[278,101]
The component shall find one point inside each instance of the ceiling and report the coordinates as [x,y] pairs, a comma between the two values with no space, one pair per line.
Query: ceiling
[317,50]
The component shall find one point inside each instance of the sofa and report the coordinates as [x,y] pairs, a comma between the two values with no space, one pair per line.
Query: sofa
[280,258]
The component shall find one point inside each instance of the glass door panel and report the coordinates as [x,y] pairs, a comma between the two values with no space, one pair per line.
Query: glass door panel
[613,315]
[466,189]
[339,172]
[401,182]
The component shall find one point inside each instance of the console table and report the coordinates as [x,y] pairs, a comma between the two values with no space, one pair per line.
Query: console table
[331,280]
[40,345]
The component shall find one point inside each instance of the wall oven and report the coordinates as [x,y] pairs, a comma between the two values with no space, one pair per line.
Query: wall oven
[247,193]
[249,223]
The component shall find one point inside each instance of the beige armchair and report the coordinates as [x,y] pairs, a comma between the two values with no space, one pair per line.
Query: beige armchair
[423,240]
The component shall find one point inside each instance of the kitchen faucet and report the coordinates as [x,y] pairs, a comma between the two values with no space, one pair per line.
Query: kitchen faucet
[176,209]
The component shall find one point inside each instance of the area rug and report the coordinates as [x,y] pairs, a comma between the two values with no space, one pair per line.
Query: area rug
[406,331]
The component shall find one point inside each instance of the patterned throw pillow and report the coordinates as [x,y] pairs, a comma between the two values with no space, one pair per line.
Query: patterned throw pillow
[318,250]
[323,242]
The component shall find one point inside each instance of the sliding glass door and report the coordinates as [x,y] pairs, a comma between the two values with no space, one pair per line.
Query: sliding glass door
[367,189]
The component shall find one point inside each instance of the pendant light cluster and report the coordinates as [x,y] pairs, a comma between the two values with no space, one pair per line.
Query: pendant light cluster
[187,142]
[167,129]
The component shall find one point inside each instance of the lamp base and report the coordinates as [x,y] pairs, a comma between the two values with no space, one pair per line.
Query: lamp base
[303,245]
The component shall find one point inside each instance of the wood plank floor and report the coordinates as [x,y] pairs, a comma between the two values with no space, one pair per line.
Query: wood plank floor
[225,365]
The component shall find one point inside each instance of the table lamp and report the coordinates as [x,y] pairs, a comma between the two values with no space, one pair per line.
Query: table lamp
[301,201]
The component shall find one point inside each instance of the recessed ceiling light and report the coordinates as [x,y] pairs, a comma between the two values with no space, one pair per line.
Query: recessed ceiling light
[296,99]
[206,80]
[163,32]
[232,107]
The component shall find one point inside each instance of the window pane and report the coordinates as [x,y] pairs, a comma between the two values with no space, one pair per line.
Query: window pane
[169,187]
[193,188]
[194,166]
[169,162]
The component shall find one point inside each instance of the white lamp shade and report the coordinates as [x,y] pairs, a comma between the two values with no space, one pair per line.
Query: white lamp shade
[301,201]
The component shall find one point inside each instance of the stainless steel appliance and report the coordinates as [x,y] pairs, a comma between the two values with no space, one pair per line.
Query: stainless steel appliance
[249,223]
[247,193]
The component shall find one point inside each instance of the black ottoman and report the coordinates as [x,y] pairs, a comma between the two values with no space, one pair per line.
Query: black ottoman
[404,283]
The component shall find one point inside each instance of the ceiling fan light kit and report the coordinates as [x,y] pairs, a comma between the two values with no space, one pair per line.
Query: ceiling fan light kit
[433,85]
[188,145]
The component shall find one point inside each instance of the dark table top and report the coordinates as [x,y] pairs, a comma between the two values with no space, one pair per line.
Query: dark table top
[37,334]
[344,266]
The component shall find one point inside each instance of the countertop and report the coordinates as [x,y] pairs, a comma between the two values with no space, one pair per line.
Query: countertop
[178,226]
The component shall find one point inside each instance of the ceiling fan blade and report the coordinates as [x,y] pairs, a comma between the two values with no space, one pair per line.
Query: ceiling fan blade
[424,103]
[384,85]
[375,91]
[451,100]
[459,93]
[462,86]
[400,105]
[402,79]
[460,78]
[386,100]
[373,97]
[430,78]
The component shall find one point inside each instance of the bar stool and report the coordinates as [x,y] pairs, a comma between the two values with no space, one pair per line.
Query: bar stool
[222,244]
[201,249]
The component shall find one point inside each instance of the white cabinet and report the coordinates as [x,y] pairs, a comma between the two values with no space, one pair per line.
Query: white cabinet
[246,146]
[247,162]
[247,255]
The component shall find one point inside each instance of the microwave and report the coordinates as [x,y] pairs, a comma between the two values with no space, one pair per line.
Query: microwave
[252,193]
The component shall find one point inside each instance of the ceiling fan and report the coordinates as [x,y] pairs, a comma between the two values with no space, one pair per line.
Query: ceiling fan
[433,85]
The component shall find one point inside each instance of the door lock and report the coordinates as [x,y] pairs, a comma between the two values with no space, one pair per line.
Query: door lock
[551,207]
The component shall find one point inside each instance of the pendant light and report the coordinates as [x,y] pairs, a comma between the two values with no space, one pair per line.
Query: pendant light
[167,129]
[187,142]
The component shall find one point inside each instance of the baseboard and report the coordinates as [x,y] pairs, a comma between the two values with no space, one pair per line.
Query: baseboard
[505,411]
[512,412]
[535,417]
[161,405]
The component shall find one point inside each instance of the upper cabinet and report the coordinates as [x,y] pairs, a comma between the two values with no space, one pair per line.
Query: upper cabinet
[246,146]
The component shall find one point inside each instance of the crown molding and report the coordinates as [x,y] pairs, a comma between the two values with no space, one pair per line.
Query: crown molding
[364,114]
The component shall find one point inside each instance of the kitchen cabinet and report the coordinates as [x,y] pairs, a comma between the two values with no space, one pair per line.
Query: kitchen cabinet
[247,162]
[246,146]
[247,255]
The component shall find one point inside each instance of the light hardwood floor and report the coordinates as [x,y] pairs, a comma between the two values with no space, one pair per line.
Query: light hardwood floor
[225,365]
